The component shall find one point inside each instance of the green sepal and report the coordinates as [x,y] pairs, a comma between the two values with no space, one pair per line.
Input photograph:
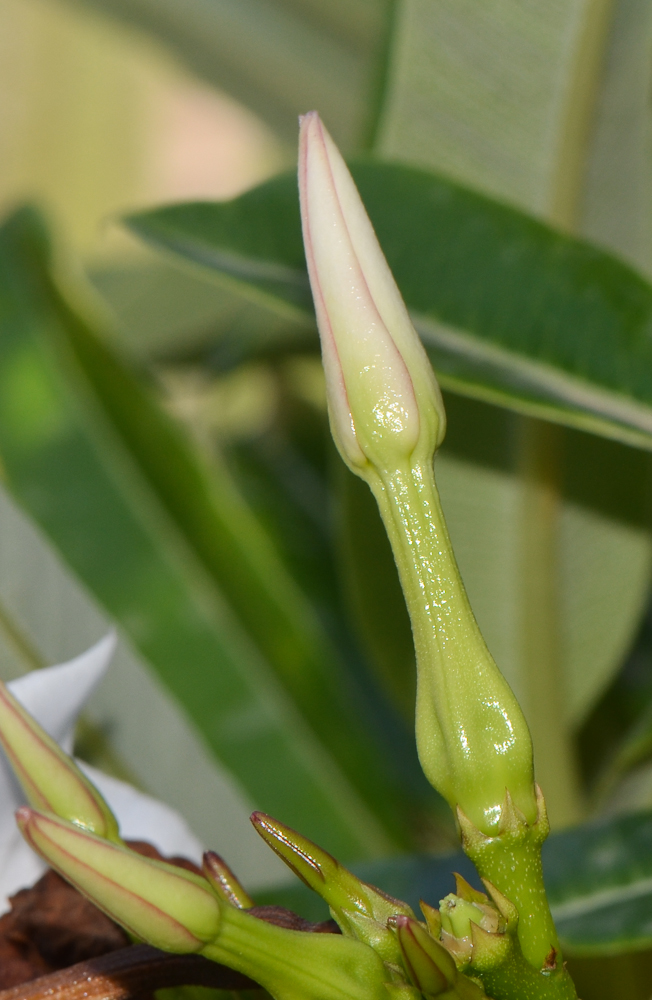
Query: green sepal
[401,991]
[510,862]
[224,883]
[339,887]
[372,932]
[297,965]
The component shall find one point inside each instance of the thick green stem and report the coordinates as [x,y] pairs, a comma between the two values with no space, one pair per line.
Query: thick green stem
[472,737]
[473,741]
[512,862]
[517,978]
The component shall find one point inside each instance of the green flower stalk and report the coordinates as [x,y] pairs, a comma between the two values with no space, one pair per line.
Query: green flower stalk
[387,420]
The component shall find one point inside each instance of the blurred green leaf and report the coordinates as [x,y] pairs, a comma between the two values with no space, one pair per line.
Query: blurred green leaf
[161,311]
[501,98]
[599,881]
[541,303]
[615,204]
[160,542]
[375,599]
[280,57]
[598,877]
[510,311]
[49,616]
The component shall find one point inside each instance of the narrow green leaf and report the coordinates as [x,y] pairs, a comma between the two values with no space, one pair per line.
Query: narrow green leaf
[163,312]
[375,600]
[510,311]
[499,97]
[113,484]
[599,880]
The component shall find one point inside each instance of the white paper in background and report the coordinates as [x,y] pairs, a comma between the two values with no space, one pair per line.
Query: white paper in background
[55,696]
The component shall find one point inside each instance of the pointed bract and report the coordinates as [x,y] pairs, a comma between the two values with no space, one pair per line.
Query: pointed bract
[489,950]
[507,910]
[341,889]
[224,883]
[432,917]
[466,891]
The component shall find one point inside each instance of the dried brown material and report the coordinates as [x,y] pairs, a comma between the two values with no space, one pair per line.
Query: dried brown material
[128,974]
[52,926]
[49,927]
[283,917]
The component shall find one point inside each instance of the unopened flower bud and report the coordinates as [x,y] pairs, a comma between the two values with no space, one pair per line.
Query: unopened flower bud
[458,917]
[387,420]
[167,906]
[428,964]
[50,778]
[383,399]
[177,911]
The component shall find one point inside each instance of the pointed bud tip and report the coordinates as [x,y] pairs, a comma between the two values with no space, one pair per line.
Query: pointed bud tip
[383,398]
[23,816]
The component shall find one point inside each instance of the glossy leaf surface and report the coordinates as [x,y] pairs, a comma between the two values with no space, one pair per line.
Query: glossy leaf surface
[510,310]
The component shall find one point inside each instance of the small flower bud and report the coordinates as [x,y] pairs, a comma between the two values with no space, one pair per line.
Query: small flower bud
[160,903]
[458,914]
[458,918]
[383,399]
[49,777]
[429,965]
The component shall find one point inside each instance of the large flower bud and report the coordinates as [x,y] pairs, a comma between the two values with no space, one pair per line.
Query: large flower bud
[383,398]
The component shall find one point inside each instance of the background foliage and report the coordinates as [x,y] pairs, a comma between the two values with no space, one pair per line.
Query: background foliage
[163,433]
